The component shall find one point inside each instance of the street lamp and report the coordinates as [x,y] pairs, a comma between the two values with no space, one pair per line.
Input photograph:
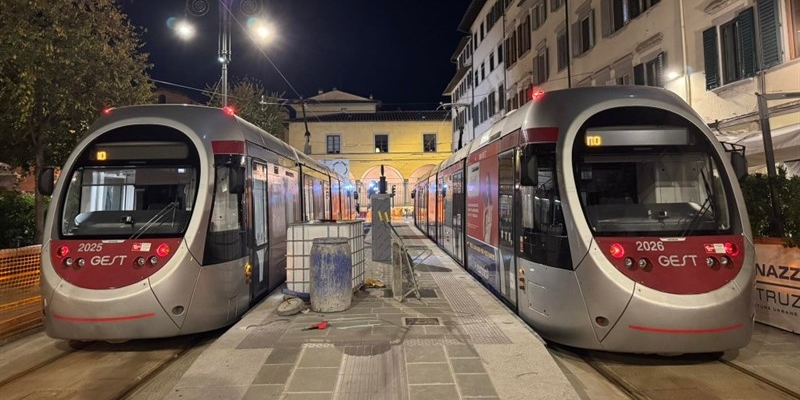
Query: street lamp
[198,8]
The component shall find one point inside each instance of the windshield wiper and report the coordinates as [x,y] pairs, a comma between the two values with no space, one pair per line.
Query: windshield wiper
[157,219]
[708,204]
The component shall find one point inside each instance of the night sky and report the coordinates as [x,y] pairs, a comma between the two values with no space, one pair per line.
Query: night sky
[397,51]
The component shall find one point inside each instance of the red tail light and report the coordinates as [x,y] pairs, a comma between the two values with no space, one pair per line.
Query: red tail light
[537,94]
[731,249]
[617,251]
[62,251]
[229,110]
[162,250]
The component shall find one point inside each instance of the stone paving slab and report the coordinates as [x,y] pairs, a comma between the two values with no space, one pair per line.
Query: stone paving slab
[458,342]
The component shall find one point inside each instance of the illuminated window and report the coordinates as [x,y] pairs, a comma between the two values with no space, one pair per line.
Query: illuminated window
[429,142]
[793,23]
[333,144]
[381,143]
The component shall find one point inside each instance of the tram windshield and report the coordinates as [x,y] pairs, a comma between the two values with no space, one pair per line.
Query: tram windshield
[123,202]
[652,191]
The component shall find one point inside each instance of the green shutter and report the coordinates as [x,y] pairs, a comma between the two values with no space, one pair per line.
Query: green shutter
[638,74]
[747,39]
[768,30]
[546,63]
[711,57]
[634,10]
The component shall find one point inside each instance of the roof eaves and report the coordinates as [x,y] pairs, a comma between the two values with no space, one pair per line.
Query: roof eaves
[456,79]
[463,43]
[469,16]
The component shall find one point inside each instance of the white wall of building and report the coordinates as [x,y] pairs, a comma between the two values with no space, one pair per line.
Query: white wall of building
[662,46]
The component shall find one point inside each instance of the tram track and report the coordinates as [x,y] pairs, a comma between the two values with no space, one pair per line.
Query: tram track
[101,370]
[763,379]
[654,377]
[73,346]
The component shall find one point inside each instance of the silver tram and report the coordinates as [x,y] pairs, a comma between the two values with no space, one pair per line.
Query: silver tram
[171,219]
[607,217]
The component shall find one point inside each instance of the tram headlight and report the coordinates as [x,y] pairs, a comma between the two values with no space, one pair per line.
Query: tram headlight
[725,261]
[710,261]
[731,249]
[139,261]
[163,250]
[644,263]
[68,262]
[62,251]
[153,260]
[81,262]
[629,263]
[617,251]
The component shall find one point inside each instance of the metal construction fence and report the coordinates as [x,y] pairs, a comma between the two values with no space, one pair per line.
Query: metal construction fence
[20,300]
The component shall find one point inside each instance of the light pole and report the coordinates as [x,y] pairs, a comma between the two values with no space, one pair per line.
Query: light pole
[198,8]
[224,46]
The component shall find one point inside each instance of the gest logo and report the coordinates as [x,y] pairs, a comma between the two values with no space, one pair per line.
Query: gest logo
[107,261]
[677,261]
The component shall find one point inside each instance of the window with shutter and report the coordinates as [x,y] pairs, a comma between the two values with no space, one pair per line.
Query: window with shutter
[638,74]
[562,49]
[769,32]
[710,57]
[747,34]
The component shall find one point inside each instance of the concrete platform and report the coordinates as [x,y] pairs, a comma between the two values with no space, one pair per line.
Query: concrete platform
[458,342]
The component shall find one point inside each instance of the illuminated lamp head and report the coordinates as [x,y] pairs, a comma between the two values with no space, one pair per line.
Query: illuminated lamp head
[62,252]
[731,249]
[163,250]
[537,94]
[617,251]
[229,110]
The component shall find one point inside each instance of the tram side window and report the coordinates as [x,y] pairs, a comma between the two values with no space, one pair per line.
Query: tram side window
[308,198]
[225,240]
[544,234]
[319,200]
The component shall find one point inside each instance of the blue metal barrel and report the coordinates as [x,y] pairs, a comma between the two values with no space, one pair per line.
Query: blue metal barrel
[331,275]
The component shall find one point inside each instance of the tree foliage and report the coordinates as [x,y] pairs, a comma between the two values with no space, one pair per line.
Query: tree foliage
[61,63]
[17,209]
[249,98]
[755,189]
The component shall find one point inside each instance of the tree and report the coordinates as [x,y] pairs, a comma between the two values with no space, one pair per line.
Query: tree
[250,101]
[61,63]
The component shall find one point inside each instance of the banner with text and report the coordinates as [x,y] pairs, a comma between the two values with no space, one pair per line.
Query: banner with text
[777,297]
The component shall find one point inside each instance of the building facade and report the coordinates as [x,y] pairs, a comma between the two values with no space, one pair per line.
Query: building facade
[715,54]
[407,144]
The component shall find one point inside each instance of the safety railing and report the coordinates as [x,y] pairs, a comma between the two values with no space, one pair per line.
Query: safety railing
[20,299]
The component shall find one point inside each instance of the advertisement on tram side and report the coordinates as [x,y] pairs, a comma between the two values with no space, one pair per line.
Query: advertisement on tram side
[482,219]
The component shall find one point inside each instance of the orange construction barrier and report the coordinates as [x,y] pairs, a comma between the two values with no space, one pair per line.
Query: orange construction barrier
[20,300]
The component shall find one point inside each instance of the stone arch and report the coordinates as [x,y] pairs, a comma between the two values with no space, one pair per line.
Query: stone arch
[418,173]
[371,177]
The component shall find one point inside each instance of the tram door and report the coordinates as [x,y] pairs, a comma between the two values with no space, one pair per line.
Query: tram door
[259,257]
[506,176]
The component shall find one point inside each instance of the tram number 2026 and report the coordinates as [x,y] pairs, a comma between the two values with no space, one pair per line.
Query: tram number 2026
[644,245]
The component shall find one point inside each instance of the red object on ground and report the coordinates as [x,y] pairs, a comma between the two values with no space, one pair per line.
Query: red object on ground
[321,325]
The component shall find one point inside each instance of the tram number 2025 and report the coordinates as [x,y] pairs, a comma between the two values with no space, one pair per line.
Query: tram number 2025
[90,247]
[649,245]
